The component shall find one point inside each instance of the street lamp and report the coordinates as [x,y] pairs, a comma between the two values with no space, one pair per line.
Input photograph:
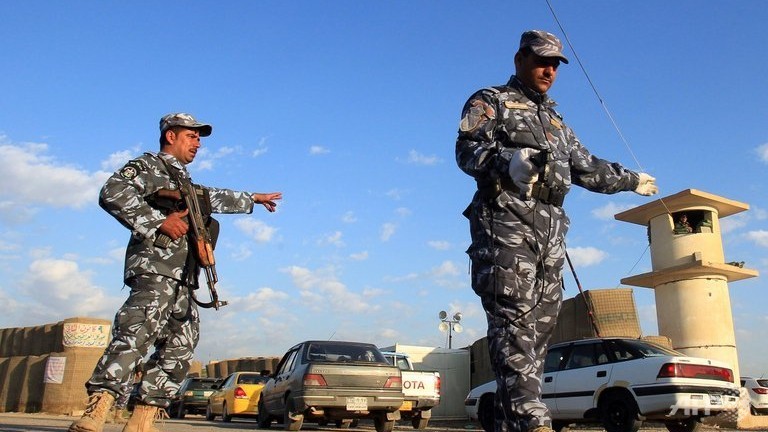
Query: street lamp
[450,325]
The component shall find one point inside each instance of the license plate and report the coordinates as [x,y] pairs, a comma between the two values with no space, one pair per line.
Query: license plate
[406,406]
[716,399]
[357,404]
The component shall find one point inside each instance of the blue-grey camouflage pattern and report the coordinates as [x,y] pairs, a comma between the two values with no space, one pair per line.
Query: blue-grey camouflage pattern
[159,313]
[518,244]
[124,196]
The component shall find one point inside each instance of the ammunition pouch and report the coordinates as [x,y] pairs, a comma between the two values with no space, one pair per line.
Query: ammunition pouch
[542,192]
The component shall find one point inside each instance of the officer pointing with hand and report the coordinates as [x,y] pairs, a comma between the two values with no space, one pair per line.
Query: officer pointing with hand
[525,159]
[160,313]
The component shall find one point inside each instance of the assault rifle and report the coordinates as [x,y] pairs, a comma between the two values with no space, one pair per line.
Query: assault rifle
[188,197]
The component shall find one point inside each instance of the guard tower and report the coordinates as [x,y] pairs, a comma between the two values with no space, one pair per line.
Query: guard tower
[690,275]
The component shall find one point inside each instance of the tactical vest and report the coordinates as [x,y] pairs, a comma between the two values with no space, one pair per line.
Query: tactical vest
[521,122]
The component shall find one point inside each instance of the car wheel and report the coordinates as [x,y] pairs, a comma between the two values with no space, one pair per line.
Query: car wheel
[691,424]
[486,412]
[180,411]
[263,419]
[226,416]
[209,415]
[381,424]
[419,423]
[618,411]
[292,421]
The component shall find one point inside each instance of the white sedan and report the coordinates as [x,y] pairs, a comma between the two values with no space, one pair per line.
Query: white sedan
[622,382]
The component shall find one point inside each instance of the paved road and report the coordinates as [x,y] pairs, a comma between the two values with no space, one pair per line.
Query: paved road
[18,422]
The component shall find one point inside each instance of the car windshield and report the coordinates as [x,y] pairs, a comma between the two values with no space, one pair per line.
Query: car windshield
[334,352]
[252,379]
[635,348]
[202,384]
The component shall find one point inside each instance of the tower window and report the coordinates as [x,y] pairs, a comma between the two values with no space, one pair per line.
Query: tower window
[692,222]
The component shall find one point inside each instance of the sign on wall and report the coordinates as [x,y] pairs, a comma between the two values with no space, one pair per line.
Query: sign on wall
[82,335]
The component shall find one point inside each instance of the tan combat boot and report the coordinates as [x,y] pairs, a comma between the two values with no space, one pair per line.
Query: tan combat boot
[143,419]
[95,413]
[120,416]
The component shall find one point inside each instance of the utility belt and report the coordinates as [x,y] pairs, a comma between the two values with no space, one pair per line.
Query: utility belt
[541,192]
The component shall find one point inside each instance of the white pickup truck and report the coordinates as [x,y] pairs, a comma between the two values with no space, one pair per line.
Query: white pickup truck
[420,388]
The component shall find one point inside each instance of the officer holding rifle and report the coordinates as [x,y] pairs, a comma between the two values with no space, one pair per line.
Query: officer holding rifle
[167,249]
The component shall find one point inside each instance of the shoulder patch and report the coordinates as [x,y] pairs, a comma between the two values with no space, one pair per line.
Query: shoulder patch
[130,170]
[478,113]
[515,105]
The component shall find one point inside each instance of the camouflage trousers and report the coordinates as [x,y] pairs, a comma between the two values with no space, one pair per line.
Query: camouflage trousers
[521,304]
[160,314]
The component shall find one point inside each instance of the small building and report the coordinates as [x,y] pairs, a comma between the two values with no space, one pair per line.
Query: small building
[453,365]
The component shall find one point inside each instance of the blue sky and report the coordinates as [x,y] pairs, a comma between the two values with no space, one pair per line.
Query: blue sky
[351,108]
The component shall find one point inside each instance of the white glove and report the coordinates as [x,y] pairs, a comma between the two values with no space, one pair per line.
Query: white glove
[647,185]
[522,171]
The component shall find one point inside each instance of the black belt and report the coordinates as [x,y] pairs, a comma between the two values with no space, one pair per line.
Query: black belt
[540,191]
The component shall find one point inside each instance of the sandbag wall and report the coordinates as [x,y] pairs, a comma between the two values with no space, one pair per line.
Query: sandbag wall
[220,369]
[44,368]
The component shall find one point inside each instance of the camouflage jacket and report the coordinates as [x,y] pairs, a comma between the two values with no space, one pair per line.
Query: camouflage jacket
[495,123]
[126,196]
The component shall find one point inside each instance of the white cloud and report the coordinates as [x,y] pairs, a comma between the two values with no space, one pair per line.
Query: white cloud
[332,239]
[60,288]
[32,177]
[316,150]
[320,289]
[607,211]
[439,244]
[447,275]
[762,152]
[241,253]
[403,211]
[417,158]
[395,194]
[118,159]
[360,256]
[204,161]
[446,268]
[388,333]
[586,256]
[349,217]
[255,229]
[733,223]
[261,147]
[13,214]
[387,231]
[264,300]
[759,237]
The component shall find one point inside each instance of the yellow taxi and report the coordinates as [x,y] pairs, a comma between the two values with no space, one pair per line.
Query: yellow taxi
[237,396]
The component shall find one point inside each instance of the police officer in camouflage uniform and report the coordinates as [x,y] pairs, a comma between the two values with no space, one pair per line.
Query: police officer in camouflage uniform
[159,312]
[524,160]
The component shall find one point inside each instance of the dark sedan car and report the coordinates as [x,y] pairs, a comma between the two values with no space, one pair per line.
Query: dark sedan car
[192,397]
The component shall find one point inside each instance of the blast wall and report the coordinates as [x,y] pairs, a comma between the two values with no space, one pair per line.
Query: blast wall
[44,368]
